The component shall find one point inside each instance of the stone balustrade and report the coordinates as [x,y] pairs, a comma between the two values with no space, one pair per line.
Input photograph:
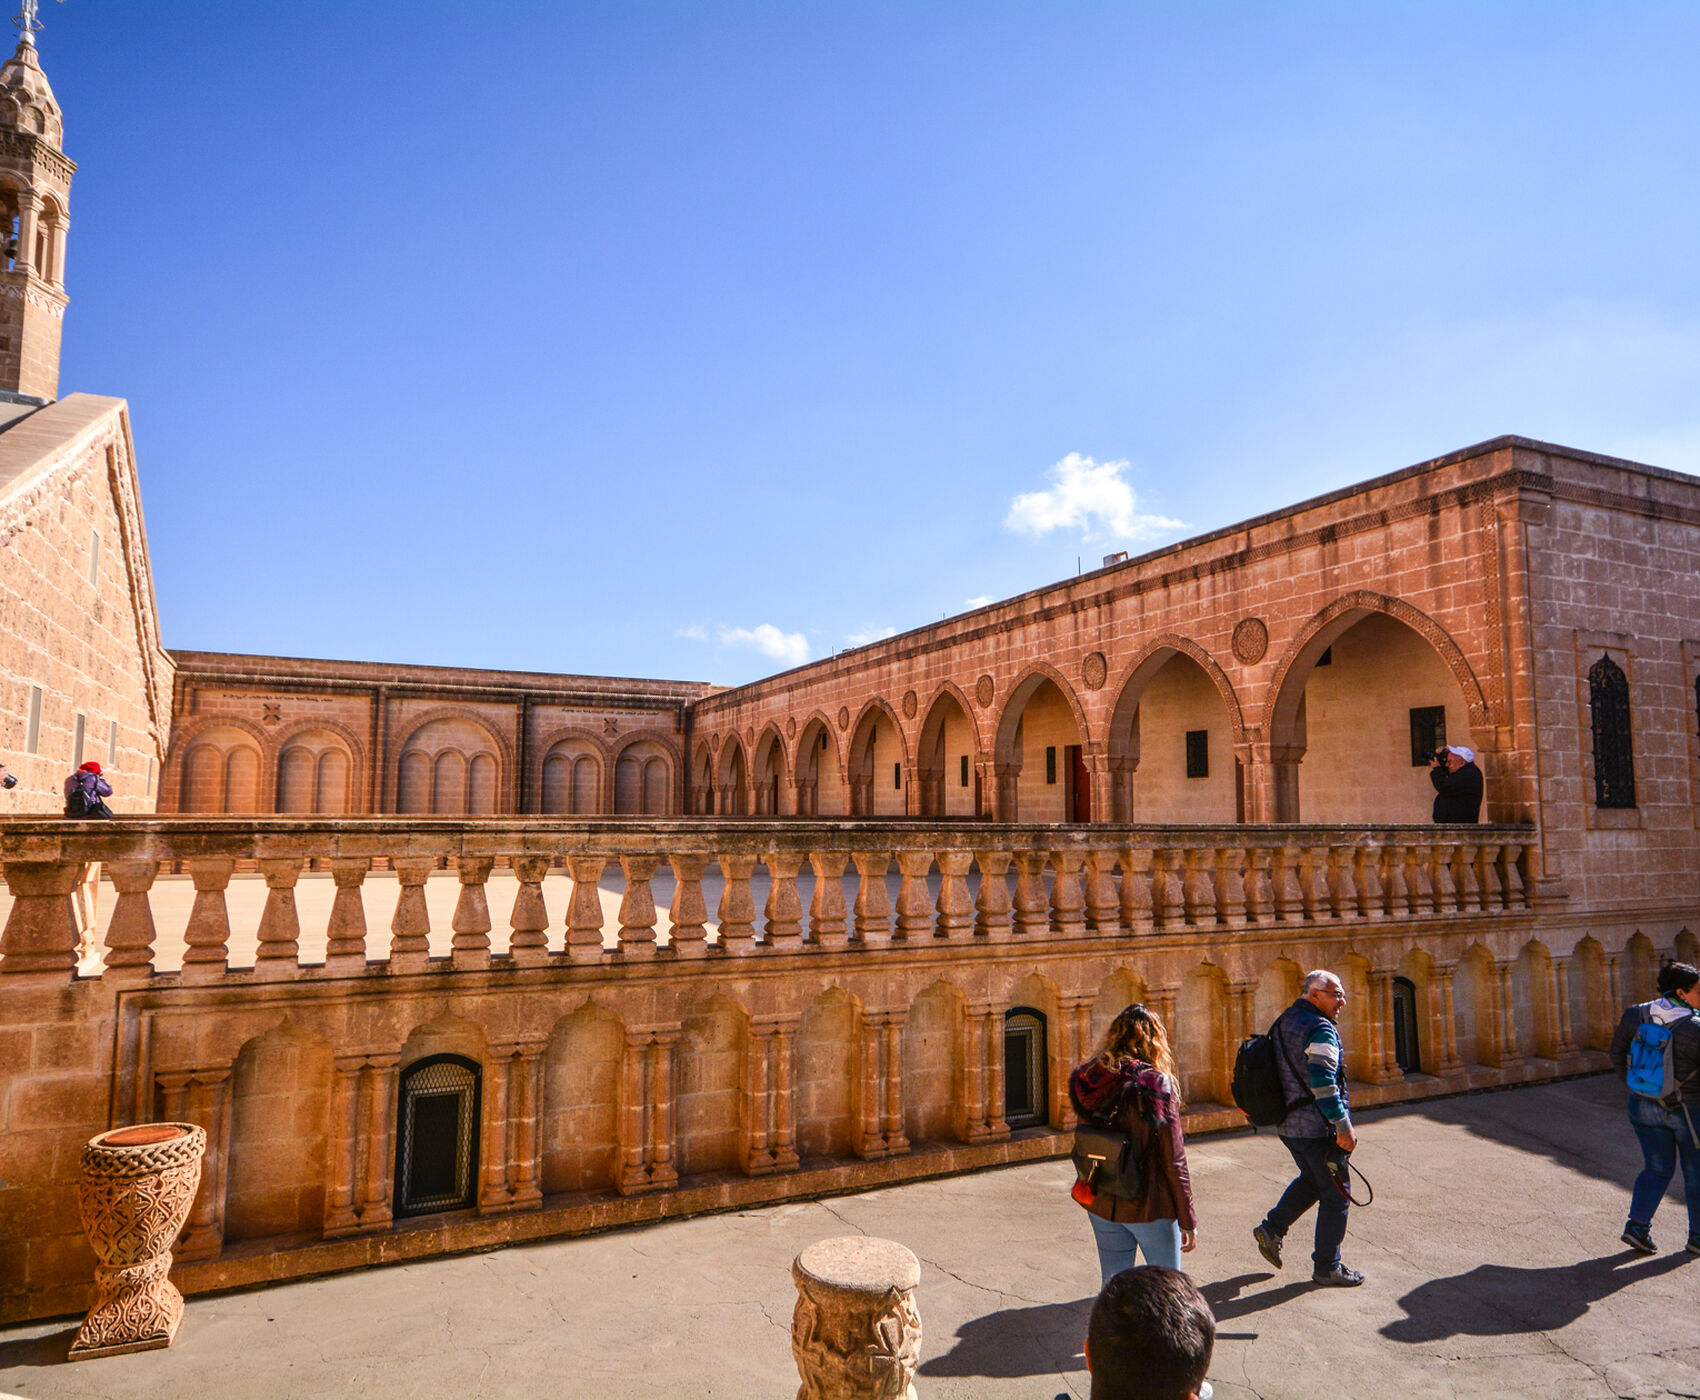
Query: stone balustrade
[956,883]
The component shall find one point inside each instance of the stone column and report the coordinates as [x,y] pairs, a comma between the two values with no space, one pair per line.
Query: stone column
[634,1145]
[757,1104]
[345,944]
[1561,1006]
[785,1157]
[856,1333]
[1077,1015]
[870,1140]
[997,1126]
[525,1096]
[280,926]
[130,936]
[493,1195]
[1507,1007]
[206,951]
[410,927]
[209,1106]
[828,916]
[528,944]
[341,1161]
[891,1123]
[1450,1062]
[471,923]
[378,1088]
[973,1071]
[660,1153]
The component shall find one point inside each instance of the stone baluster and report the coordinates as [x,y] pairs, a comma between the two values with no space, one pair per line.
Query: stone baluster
[1559,970]
[1311,900]
[345,934]
[785,1157]
[41,930]
[873,905]
[973,1070]
[992,907]
[1285,895]
[1196,895]
[1230,881]
[341,1160]
[1505,875]
[1259,903]
[1462,856]
[782,930]
[130,936]
[689,910]
[377,1156]
[1098,890]
[584,909]
[1367,893]
[1486,859]
[914,900]
[1342,899]
[279,949]
[525,1097]
[736,913]
[209,1107]
[660,1152]
[1439,872]
[206,939]
[528,944]
[410,929]
[870,1141]
[828,915]
[1162,906]
[891,1121]
[637,908]
[494,1197]
[471,922]
[955,906]
[1413,860]
[1032,909]
[856,1331]
[1068,903]
[1446,1013]
[1389,874]
[997,1126]
[1135,864]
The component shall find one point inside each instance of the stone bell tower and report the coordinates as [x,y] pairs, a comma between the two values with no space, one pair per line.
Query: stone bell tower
[35,190]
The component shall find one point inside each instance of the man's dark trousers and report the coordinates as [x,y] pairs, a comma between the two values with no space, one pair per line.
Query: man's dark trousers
[1313,1187]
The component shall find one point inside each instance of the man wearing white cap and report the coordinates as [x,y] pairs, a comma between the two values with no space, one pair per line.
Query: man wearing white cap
[1457,785]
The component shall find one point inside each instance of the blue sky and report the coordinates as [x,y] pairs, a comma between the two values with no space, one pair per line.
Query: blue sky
[694,340]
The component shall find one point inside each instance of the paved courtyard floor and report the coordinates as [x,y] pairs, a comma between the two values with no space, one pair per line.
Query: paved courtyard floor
[1492,1253]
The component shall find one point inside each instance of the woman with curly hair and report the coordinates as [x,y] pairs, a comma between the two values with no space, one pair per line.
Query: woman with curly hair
[1130,1085]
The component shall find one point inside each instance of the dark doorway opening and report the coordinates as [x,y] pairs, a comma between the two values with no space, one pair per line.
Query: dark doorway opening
[1079,793]
[1406,1050]
[436,1157]
[1026,1077]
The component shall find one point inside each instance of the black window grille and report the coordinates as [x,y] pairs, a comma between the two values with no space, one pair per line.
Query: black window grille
[436,1154]
[1428,733]
[1026,1081]
[1050,765]
[1406,1049]
[1197,753]
[1614,759]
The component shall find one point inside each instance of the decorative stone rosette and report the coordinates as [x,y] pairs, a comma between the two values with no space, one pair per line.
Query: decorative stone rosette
[135,1190]
[856,1333]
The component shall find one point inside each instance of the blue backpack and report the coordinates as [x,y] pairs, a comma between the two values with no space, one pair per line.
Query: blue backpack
[1652,1059]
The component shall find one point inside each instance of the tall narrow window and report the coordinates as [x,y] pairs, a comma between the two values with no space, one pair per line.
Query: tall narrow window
[32,729]
[963,780]
[437,1136]
[112,744]
[94,557]
[1025,1081]
[897,775]
[1198,753]
[1050,765]
[1428,733]
[1614,760]
[78,733]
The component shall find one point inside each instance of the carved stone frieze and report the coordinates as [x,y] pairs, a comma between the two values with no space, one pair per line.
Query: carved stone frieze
[1251,640]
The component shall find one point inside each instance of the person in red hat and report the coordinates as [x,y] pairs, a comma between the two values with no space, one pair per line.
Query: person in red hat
[84,791]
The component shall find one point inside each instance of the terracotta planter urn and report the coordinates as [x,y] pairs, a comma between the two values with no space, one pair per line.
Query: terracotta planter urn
[136,1187]
[856,1334]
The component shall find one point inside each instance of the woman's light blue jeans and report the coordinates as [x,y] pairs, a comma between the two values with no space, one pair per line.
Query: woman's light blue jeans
[1158,1240]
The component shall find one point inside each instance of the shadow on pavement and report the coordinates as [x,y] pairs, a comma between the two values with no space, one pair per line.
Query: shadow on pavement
[1495,1300]
[52,1350]
[1037,1341]
[1225,1301]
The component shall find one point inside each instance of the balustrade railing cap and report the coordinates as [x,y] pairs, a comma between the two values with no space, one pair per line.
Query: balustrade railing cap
[860,1264]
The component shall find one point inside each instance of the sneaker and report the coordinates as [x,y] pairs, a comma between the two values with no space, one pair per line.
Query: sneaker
[1694,1244]
[1337,1277]
[1640,1237]
[1268,1245]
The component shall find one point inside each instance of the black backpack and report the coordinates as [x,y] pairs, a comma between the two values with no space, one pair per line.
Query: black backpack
[1257,1088]
[77,804]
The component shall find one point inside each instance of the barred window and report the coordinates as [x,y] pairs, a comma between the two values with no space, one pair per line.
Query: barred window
[1614,760]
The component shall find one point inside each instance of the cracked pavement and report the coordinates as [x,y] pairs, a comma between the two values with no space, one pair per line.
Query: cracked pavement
[1492,1253]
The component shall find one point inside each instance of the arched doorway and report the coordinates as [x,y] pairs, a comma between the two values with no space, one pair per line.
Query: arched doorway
[877,756]
[820,785]
[1171,745]
[770,774]
[1407,1047]
[1042,773]
[948,760]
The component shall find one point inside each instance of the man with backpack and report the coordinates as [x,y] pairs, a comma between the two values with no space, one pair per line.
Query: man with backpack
[1317,1129]
[1656,1052]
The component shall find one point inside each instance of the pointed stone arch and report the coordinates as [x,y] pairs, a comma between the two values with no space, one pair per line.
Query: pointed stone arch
[870,795]
[1008,758]
[732,777]
[1123,740]
[818,768]
[770,780]
[943,792]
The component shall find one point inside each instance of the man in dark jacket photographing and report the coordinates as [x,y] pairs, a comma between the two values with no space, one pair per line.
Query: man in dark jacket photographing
[1457,785]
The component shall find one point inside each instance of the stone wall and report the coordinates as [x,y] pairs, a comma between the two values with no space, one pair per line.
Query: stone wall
[79,635]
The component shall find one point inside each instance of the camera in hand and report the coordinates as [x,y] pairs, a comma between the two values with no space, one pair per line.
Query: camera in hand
[8,781]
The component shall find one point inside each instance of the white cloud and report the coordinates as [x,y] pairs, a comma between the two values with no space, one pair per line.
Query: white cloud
[790,647]
[1093,497]
[695,633]
[979,602]
[869,633]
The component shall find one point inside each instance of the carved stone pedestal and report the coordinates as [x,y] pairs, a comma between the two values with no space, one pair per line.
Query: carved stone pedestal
[136,1188]
[856,1333]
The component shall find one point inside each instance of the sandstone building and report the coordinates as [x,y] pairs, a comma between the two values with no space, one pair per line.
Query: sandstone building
[849,924]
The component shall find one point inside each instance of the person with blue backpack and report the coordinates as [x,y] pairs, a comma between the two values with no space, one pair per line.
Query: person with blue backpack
[1656,1052]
